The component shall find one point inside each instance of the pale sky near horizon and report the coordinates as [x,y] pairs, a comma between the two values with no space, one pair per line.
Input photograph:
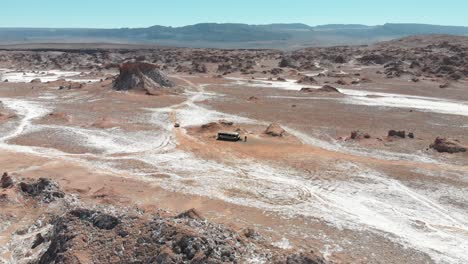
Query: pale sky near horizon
[144,13]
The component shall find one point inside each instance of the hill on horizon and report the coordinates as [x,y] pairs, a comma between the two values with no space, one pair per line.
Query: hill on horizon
[230,35]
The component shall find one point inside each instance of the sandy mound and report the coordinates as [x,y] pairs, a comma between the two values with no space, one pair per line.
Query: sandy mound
[275,130]
[142,76]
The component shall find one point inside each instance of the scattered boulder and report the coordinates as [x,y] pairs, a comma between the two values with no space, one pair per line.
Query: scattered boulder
[37,80]
[448,145]
[399,134]
[356,135]
[276,71]
[98,219]
[45,189]
[307,80]
[275,130]
[6,181]
[444,85]
[141,76]
[341,82]
[191,214]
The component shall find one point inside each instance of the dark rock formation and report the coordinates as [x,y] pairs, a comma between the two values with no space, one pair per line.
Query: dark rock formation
[45,189]
[375,59]
[6,181]
[99,220]
[38,241]
[141,76]
[287,63]
[307,80]
[448,145]
[276,71]
[399,134]
[199,67]
[157,240]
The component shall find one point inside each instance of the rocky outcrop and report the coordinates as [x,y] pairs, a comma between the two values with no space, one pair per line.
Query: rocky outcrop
[199,67]
[307,80]
[397,134]
[6,181]
[379,59]
[98,219]
[275,130]
[287,63]
[328,89]
[324,89]
[43,189]
[448,145]
[76,238]
[141,76]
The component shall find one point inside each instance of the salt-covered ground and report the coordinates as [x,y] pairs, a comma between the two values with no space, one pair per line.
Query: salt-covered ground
[370,98]
[45,76]
[367,200]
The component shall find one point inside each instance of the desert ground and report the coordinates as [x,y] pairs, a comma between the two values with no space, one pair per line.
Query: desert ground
[320,171]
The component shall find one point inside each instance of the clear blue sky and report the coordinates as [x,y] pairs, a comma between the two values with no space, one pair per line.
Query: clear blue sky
[143,13]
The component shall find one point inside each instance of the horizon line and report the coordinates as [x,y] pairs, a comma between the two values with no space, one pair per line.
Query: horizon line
[235,23]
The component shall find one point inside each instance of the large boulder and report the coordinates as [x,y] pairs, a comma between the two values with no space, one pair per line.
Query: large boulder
[397,134]
[6,181]
[141,76]
[448,145]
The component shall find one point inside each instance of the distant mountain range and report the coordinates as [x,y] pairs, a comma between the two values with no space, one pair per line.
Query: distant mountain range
[285,36]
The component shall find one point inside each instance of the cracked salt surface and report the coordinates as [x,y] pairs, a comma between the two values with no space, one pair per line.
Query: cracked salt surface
[369,98]
[368,200]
